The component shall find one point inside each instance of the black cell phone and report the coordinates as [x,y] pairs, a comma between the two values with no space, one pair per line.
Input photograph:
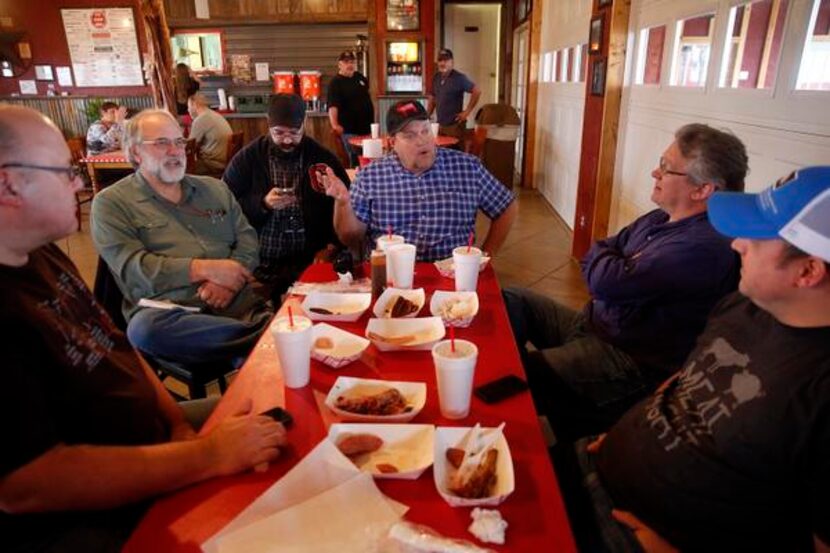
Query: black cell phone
[500,389]
[280,415]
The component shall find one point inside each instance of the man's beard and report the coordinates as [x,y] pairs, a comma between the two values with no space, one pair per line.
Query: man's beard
[168,175]
[284,153]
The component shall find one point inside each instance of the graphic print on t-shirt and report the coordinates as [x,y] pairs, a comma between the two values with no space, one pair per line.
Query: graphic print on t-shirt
[88,344]
[709,389]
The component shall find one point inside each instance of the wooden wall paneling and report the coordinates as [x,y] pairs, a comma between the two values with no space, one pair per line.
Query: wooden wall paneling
[600,130]
[182,12]
[531,110]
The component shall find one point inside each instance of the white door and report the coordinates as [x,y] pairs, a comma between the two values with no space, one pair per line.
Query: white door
[471,31]
[518,94]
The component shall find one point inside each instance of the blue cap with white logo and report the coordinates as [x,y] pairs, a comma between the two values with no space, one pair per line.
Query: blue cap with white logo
[795,209]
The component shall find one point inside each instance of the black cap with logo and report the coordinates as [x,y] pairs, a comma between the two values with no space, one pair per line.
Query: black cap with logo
[346,55]
[445,54]
[404,112]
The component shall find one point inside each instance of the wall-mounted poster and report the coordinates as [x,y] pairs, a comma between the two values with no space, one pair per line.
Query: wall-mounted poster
[103,46]
[598,77]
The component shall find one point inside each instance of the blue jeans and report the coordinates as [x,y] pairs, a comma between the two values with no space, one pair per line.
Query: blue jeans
[190,338]
[351,151]
[580,382]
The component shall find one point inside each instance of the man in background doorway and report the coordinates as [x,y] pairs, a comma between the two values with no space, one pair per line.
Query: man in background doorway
[211,132]
[350,105]
[447,96]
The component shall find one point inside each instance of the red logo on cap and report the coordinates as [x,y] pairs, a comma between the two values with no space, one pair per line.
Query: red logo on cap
[407,109]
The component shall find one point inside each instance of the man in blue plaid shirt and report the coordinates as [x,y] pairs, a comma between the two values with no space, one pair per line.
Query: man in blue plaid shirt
[429,195]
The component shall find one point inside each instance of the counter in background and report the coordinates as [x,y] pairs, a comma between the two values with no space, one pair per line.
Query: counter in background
[253,125]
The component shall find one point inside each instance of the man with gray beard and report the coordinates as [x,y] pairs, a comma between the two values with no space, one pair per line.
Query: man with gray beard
[183,243]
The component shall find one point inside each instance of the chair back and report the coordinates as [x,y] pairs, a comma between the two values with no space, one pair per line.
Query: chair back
[191,151]
[77,148]
[476,146]
[234,144]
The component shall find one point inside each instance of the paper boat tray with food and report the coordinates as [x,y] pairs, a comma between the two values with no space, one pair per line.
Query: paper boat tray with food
[369,400]
[394,451]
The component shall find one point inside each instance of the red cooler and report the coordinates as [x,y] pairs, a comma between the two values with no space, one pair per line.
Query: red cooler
[310,85]
[284,82]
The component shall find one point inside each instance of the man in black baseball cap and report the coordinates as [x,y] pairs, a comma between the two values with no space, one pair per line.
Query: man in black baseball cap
[274,181]
[447,96]
[429,195]
[350,106]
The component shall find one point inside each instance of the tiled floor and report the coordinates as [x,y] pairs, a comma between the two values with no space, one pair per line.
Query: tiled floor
[535,255]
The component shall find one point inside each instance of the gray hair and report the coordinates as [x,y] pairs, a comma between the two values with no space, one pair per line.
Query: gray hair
[132,131]
[713,155]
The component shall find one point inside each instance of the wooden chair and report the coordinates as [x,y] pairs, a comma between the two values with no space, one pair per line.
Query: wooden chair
[196,376]
[235,143]
[476,145]
[77,152]
[191,151]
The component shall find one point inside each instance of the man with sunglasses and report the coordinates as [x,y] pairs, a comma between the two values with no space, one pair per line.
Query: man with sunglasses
[90,435]
[652,286]
[274,179]
[181,242]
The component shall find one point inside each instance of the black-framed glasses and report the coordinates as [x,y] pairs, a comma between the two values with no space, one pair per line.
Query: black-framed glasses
[665,171]
[280,133]
[72,171]
[165,143]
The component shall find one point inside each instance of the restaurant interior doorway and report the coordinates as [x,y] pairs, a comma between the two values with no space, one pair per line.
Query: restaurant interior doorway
[518,92]
[473,33]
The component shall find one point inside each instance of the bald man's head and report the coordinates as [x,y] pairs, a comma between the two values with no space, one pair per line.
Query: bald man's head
[19,126]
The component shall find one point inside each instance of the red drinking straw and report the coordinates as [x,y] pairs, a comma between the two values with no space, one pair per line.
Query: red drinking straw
[452,339]
[389,232]
[470,242]
[290,317]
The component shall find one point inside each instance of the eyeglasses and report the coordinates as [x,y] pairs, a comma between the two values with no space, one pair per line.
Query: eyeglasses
[165,143]
[278,133]
[72,172]
[664,171]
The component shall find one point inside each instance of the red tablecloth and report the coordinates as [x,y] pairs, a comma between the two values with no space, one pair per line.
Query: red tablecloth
[182,521]
[106,157]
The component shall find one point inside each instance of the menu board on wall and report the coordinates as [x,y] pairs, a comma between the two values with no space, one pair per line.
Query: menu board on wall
[103,46]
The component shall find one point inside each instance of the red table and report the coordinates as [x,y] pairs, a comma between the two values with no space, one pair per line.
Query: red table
[535,512]
[441,140]
[108,160]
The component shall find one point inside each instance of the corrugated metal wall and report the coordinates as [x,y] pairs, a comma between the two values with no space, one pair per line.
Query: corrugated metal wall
[69,112]
[292,47]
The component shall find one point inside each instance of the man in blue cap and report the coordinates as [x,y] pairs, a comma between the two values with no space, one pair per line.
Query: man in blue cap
[731,453]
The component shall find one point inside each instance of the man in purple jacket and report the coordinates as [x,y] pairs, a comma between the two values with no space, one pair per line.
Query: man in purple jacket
[652,287]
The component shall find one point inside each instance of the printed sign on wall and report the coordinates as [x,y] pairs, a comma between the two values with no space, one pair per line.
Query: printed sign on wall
[103,46]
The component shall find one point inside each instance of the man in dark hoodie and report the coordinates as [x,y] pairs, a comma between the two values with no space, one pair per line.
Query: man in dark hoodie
[274,181]
[652,286]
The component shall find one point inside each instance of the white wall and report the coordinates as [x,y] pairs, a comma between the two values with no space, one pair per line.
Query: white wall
[475,54]
[782,129]
[559,109]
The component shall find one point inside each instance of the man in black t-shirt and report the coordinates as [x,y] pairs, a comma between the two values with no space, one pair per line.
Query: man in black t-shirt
[732,452]
[89,432]
[350,105]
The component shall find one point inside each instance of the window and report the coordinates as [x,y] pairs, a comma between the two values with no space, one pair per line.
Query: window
[547,61]
[650,55]
[576,63]
[814,73]
[753,44]
[564,62]
[201,50]
[692,45]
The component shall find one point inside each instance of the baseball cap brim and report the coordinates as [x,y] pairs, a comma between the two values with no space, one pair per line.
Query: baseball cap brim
[738,215]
